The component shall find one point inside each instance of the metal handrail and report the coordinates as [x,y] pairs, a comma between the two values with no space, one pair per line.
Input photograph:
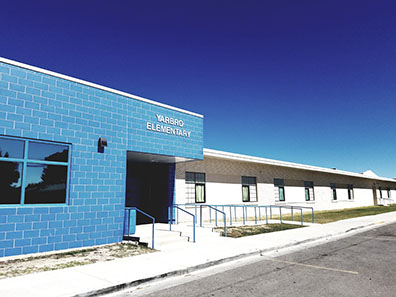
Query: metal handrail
[224,217]
[245,211]
[147,215]
[170,220]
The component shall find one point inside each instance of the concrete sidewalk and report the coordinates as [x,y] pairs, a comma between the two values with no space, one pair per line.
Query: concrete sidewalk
[94,279]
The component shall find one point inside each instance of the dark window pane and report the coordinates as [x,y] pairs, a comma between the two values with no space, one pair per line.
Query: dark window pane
[252,180]
[10,148]
[10,182]
[308,184]
[278,182]
[190,177]
[45,184]
[200,177]
[245,180]
[48,152]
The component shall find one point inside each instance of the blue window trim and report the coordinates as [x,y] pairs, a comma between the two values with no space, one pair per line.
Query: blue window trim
[25,161]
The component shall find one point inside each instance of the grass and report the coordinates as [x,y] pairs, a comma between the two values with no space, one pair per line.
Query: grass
[328,216]
[248,230]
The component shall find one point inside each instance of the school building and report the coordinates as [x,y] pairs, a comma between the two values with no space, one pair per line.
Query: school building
[74,155]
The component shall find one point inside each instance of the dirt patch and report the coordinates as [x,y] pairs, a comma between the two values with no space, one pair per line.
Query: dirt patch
[241,231]
[53,261]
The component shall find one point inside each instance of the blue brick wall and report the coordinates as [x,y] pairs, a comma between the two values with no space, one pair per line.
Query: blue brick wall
[40,106]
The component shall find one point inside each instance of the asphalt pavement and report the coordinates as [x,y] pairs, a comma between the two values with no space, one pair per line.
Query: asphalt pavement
[360,265]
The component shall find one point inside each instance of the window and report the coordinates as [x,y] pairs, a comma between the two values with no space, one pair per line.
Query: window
[195,187]
[249,189]
[279,189]
[380,192]
[388,190]
[350,192]
[334,191]
[33,172]
[309,191]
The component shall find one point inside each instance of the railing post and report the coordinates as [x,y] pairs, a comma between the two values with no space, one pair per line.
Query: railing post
[193,230]
[210,215]
[271,212]
[280,213]
[266,215]
[230,215]
[255,215]
[243,214]
[152,243]
[170,217]
[259,208]
[292,214]
[195,213]
[302,222]
[177,216]
[200,215]
[216,214]
[235,213]
[312,215]
[225,225]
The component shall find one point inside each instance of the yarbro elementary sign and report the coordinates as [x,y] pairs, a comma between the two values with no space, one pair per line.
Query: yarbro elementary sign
[168,125]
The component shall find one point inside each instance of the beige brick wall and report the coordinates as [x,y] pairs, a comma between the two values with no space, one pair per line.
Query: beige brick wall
[223,184]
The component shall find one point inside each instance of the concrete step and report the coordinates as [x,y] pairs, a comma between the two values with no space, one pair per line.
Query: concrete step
[180,233]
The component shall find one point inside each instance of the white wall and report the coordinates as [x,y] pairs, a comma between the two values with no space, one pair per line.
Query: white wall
[223,184]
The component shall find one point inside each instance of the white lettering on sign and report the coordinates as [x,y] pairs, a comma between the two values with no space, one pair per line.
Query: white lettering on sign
[168,120]
[168,129]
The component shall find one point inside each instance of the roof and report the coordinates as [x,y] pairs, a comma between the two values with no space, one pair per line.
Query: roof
[93,85]
[258,160]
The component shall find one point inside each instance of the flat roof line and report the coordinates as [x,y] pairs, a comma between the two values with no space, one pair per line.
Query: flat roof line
[90,84]
[259,160]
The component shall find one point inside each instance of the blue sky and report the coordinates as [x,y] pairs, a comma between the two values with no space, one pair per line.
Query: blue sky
[311,82]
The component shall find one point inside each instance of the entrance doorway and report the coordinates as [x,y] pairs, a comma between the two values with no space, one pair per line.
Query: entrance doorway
[150,185]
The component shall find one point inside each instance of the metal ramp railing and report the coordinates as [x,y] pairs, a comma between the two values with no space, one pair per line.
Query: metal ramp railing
[260,211]
[127,225]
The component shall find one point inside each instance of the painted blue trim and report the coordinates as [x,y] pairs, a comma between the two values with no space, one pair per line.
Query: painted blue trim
[32,205]
[48,162]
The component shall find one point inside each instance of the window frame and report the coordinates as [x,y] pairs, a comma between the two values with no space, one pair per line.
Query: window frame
[195,182]
[25,161]
[247,185]
[280,184]
[307,186]
[334,192]
[351,194]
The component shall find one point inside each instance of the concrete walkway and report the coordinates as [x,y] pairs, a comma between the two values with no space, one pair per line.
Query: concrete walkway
[94,279]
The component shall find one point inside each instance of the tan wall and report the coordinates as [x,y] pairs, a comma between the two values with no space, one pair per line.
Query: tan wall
[223,184]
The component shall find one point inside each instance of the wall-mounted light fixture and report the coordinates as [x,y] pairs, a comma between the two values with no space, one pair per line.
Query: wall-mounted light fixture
[102,143]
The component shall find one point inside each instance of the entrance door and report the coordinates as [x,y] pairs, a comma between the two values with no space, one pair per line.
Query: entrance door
[375,195]
[150,188]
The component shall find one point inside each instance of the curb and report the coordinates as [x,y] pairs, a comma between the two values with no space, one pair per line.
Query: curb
[311,242]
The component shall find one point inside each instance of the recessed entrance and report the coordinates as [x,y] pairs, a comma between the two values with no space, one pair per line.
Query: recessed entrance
[150,184]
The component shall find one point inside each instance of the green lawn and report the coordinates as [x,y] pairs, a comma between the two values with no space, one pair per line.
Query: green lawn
[327,216]
[247,230]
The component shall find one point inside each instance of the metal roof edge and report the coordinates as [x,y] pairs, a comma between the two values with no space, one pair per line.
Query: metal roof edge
[260,160]
[100,87]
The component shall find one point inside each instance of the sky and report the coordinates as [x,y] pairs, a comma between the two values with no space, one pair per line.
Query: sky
[311,82]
